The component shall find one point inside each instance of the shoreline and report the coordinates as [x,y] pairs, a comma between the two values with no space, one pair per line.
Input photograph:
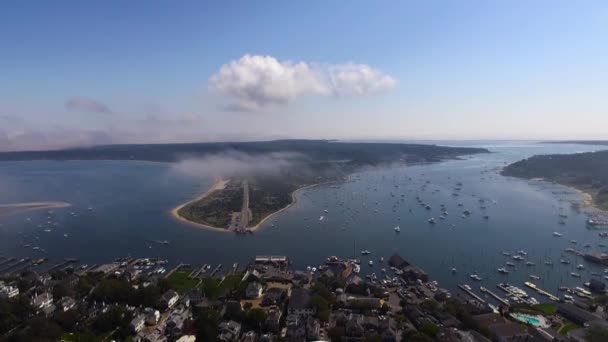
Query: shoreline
[294,200]
[587,199]
[15,208]
[219,184]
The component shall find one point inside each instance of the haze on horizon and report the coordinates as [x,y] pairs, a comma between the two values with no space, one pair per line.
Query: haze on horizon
[76,73]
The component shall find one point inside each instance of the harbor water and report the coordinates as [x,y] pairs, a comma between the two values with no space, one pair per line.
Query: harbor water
[122,208]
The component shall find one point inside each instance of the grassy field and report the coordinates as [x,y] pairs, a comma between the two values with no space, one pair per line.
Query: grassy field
[215,288]
[547,309]
[180,282]
[567,327]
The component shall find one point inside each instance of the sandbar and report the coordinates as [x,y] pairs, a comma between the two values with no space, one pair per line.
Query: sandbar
[13,208]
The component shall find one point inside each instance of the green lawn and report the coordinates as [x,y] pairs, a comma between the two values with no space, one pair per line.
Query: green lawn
[214,288]
[567,327]
[547,309]
[180,282]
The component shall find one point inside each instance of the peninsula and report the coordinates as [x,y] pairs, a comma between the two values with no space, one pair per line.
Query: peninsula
[587,172]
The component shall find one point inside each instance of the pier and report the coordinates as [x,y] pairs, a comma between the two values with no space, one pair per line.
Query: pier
[8,260]
[541,291]
[199,272]
[67,262]
[217,268]
[471,293]
[495,296]
[175,269]
[19,265]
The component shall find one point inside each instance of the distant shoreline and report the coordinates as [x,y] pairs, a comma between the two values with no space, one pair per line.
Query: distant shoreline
[588,199]
[219,185]
[14,208]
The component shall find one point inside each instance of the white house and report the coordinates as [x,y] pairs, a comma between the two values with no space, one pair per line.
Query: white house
[42,301]
[138,323]
[152,317]
[169,299]
[67,303]
[7,292]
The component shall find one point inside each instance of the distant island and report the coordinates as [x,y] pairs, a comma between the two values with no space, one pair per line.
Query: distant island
[241,200]
[587,172]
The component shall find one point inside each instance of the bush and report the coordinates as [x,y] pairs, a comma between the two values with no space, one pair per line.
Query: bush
[429,329]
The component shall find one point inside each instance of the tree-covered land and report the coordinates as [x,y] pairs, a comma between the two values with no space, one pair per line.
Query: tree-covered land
[587,172]
[313,150]
[215,209]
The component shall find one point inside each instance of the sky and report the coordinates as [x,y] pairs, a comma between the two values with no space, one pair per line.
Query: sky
[75,73]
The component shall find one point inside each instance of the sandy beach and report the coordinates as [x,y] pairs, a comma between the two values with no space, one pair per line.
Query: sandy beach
[588,201]
[219,184]
[13,208]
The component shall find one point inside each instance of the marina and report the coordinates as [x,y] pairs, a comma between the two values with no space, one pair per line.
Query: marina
[517,295]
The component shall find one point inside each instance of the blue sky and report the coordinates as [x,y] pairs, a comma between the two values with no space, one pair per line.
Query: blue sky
[86,72]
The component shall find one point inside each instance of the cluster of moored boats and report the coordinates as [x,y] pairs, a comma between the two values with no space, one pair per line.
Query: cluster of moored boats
[516,295]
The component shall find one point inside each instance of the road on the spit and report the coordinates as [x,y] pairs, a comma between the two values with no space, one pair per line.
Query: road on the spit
[245,209]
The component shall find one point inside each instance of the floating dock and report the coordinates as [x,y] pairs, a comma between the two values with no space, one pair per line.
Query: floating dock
[471,293]
[198,272]
[18,265]
[495,296]
[216,270]
[541,291]
[66,263]
[7,261]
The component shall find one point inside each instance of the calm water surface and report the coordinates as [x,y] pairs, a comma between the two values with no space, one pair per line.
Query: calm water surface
[131,203]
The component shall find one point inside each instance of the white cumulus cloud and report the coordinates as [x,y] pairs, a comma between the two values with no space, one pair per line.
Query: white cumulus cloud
[253,81]
[358,79]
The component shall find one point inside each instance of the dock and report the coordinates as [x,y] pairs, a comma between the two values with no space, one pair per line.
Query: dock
[495,296]
[199,272]
[541,291]
[471,293]
[61,266]
[175,269]
[217,268]
[16,266]
[7,261]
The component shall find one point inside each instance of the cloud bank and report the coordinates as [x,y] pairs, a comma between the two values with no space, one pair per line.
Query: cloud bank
[17,134]
[229,164]
[254,81]
[85,104]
